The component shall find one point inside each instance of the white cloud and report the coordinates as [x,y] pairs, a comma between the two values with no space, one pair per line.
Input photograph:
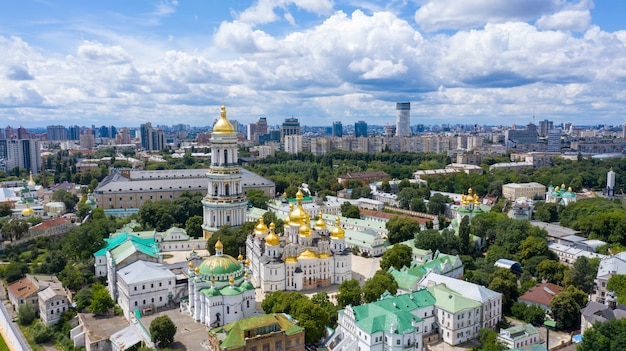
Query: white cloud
[93,51]
[263,11]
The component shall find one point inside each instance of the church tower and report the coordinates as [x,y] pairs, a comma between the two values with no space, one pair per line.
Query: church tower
[224,203]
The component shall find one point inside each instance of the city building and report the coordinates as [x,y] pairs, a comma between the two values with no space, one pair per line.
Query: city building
[22,153]
[608,267]
[304,258]
[596,312]
[144,285]
[56,132]
[395,323]
[130,188]
[491,301]
[554,141]
[610,184]
[458,316]
[270,332]
[408,277]
[360,129]
[513,191]
[519,336]
[293,144]
[366,177]
[152,139]
[53,302]
[403,119]
[219,290]
[541,295]
[123,136]
[337,130]
[525,139]
[544,127]
[73,132]
[225,202]
[560,195]
[23,291]
[290,126]
[87,140]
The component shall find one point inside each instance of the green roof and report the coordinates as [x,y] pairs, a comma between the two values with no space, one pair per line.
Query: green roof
[407,278]
[450,300]
[220,265]
[233,334]
[411,244]
[128,247]
[379,315]
[119,238]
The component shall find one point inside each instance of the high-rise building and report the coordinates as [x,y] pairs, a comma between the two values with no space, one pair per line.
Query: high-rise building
[554,140]
[73,132]
[23,133]
[251,132]
[293,144]
[87,140]
[225,202]
[291,126]
[123,137]
[152,139]
[403,119]
[390,130]
[10,133]
[261,126]
[337,129]
[56,132]
[544,127]
[22,153]
[360,129]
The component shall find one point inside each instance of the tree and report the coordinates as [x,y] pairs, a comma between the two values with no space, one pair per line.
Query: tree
[401,229]
[405,196]
[385,186]
[505,282]
[349,210]
[437,204]
[14,229]
[429,239]
[464,236]
[5,210]
[257,198]
[610,336]
[398,256]
[489,341]
[377,285]
[14,271]
[83,298]
[65,197]
[349,293]
[532,246]
[193,226]
[26,314]
[101,301]
[323,300]
[162,330]
[565,307]
[617,284]
[583,273]
[551,271]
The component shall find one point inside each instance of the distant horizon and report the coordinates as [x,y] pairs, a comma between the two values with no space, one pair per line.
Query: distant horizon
[495,61]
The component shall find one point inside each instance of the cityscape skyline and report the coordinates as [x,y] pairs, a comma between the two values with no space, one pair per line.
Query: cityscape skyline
[470,62]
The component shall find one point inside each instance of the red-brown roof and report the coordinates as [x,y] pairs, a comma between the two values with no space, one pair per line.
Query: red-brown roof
[541,294]
[388,216]
[50,223]
[23,288]
[365,175]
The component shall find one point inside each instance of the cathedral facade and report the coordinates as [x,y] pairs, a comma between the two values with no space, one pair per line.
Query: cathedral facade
[225,202]
[307,256]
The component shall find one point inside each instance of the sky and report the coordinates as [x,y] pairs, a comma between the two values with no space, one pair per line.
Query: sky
[123,63]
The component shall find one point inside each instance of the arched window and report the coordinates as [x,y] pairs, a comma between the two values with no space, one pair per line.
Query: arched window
[225,156]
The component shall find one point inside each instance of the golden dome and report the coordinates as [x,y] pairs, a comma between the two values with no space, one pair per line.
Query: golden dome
[30,180]
[190,264]
[286,222]
[291,259]
[299,195]
[324,255]
[320,224]
[223,126]
[197,270]
[272,239]
[27,212]
[245,275]
[305,230]
[307,255]
[231,280]
[469,191]
[261,228]
[219,245]
[569,189]
[298,214]
[247,262]
[240,257]
[337,232]
[563,186]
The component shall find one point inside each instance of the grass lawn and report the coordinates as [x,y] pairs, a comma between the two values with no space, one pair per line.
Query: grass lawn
[3,344]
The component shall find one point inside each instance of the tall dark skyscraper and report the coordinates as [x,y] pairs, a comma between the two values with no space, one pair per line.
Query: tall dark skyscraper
[337,129]
[56,133]
[360,129]
[152,139]
[291,126]
[73,133]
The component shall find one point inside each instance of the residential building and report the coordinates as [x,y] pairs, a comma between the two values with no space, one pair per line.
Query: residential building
[293,144]
[56,132]
[270,332]
[596,312]
[53,302]
[366,177]
[554,140]
[403,119]
[23,291]
[615,264]
[73,132]
[22,153]
[337,130]
[144,285]
[519,336]
[541,295]
[544,127]
[525,139]
[152,139]
[219,290]
[513,191]
[51,227]
[87,140]
[306,257]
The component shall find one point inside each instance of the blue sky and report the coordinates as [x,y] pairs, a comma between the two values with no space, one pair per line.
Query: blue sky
[471,61]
